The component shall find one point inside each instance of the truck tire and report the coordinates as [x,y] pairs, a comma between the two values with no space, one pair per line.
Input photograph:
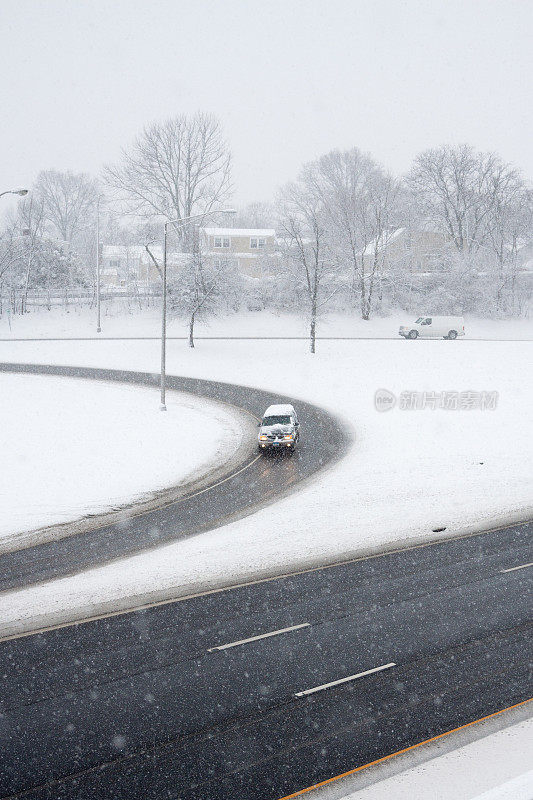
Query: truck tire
[452,335]
[413,335]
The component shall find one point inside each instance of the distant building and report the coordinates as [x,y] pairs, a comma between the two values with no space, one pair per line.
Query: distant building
[129,266]
[252,250]
[120,265]
[416,250]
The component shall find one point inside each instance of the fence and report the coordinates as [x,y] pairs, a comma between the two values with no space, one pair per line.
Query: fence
[18,301]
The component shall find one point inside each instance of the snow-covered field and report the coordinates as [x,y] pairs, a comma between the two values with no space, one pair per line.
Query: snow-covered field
[409,471]
[82,322]
[76,447]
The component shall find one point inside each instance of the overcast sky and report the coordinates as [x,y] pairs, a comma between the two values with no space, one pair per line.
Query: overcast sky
[289,79]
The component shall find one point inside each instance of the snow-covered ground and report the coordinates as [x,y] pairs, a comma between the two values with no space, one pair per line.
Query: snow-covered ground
[76,447]
[82,322]
[409,471]
[496,767]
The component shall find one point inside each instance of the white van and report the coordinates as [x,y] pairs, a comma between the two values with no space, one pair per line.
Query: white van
[434,327]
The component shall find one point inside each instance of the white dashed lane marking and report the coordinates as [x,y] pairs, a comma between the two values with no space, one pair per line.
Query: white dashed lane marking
[261,636]
[522,566]
[344,680]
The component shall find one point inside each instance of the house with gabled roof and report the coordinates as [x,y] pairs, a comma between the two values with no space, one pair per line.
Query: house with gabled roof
[252,250]
[416,249]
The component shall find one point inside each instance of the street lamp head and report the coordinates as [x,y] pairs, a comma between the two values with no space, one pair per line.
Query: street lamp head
[21,192]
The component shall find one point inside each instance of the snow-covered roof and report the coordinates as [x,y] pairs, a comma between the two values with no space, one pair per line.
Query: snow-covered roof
[289,241]
[282,408]
[262,232]
[383,241]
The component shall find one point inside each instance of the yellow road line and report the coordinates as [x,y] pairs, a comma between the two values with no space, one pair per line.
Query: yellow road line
[399,752]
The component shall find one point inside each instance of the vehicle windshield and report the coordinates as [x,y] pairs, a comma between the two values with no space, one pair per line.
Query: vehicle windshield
[277,420]
[420,319]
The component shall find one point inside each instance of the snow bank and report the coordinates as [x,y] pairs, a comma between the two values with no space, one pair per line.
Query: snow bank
[496,767]
[76,447]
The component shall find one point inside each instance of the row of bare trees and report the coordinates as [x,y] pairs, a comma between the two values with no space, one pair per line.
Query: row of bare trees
[339,206]
[338,217]
[176,169]
[333,222]
[36,253]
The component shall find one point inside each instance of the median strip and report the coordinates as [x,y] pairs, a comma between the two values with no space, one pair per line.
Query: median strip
[256,638]
[344,680]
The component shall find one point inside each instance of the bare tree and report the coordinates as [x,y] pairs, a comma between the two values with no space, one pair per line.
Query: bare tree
[483,207]
[382,197]
[199,287]
[7,249]
[31,222]
[510,226]
[362,204]
[255,215]
[178,168]
[457,189]
[30,260]
[68,201]
[303,224]
[7,257]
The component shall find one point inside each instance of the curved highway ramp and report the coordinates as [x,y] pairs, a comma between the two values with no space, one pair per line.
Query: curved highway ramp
[257,482]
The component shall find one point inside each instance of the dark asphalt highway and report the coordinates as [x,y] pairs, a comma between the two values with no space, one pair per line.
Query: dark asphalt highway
[154,704]
[265,480]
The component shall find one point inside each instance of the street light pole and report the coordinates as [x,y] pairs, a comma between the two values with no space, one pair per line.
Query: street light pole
[163,406]
[176,223]
[98,321]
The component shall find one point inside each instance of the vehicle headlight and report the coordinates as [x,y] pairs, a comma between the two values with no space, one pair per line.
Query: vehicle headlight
[263,438]
[288,436]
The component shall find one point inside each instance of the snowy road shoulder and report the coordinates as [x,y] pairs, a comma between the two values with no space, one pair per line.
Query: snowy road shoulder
[490,761]
[78,449]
